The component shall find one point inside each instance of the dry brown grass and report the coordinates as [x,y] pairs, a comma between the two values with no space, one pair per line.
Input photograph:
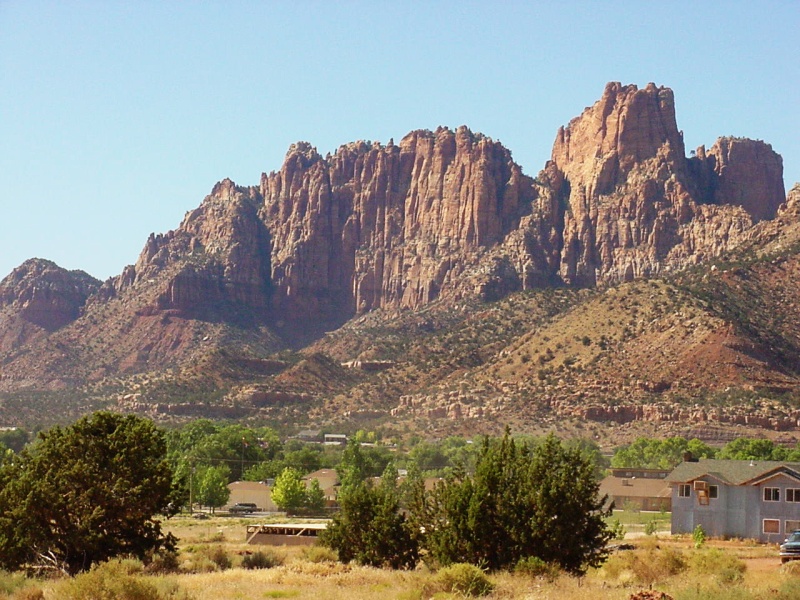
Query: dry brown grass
[652,563]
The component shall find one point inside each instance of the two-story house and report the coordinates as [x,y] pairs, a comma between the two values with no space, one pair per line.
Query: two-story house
[736,498]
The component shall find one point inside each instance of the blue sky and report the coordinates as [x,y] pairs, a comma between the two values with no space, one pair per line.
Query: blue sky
[116,118]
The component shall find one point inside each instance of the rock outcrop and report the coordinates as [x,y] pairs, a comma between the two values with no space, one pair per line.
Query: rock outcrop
[635,206]
[742,172]
[42,293]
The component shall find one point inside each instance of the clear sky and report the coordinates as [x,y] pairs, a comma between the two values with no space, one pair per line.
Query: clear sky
[116,118]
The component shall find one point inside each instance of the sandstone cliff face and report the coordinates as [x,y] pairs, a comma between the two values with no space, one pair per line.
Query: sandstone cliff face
[218,259]
[386,226]
[634,205]
[448,213]
[742,172]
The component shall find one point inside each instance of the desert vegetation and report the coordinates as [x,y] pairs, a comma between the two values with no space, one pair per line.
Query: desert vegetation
[510,518]
[212,563]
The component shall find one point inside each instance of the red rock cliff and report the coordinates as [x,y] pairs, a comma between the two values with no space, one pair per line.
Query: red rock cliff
[444,212]
[375,226]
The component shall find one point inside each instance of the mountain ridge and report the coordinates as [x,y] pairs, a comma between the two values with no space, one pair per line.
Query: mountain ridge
[441,217]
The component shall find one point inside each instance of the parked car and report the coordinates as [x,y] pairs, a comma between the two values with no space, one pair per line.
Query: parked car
[243,507]
[790,549]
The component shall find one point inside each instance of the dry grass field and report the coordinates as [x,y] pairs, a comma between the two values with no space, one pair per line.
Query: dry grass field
[212,552]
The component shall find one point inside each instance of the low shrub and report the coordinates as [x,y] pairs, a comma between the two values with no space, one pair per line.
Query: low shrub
[646,566]
[319,554]
[533,566]
[219,557]
[110,581]
[262,559]
[10,582]
[617,529]
[791,568]
[725,567]
[651,527]
[460,578]
[699,536]
[163,562]
[715,592]
[28,593]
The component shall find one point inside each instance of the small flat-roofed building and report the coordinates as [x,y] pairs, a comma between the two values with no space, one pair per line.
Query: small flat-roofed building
[285,534]
[335,439]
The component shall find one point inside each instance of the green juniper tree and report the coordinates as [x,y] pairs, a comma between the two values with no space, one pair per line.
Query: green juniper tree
[521,502]
[85,493]
[370,529]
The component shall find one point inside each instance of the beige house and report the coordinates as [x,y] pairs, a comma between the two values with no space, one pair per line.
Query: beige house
[638,489]
[328,482]
[251,491]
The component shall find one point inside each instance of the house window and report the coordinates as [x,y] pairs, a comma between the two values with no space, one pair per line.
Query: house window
[793,494]
[713,491]
[772,526]
[772,495]
[684,490]
[790,526]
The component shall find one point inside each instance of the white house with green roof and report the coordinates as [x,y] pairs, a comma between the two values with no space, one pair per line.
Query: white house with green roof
[736,498]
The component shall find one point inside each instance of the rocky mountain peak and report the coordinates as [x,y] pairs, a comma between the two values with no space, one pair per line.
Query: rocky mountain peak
[742,172]
[626,127]
[42,293]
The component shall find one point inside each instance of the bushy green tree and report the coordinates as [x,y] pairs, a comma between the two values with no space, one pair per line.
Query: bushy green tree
[370,529]
[651,453]
[205,443]
[752,449]
[15,439]
[315,497]
[86,493]
[212,486]
[289,491]
[521,502]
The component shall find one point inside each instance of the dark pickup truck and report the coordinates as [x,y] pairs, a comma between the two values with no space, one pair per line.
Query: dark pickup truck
[243,507]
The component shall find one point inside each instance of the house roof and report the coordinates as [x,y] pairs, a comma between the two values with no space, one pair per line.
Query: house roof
[323,474]
[635,487]
[732,472]
[252,486]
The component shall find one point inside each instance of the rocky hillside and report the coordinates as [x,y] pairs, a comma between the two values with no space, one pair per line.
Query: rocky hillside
[371,253]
